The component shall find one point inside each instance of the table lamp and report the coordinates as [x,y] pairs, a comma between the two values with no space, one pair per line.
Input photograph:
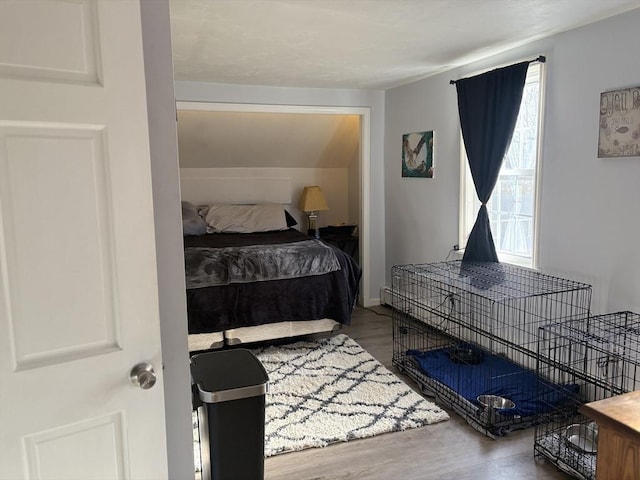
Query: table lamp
[312,201]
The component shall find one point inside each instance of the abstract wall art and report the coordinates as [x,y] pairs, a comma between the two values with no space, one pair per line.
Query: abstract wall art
[417,154]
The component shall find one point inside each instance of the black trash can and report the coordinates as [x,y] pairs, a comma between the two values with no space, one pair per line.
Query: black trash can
[229,389]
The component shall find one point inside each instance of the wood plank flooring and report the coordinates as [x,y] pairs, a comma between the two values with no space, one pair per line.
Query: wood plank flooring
[447,450]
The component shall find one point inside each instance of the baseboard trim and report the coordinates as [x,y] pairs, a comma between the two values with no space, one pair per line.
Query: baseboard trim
[385,296]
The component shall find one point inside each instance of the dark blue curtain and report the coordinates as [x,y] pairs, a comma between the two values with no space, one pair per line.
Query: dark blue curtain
[488,105]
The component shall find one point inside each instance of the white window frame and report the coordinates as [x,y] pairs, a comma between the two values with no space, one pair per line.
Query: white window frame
[469,203]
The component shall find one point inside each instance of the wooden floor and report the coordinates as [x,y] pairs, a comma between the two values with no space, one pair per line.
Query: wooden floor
[447,450]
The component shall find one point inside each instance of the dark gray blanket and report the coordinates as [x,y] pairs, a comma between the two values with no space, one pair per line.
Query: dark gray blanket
[208,267]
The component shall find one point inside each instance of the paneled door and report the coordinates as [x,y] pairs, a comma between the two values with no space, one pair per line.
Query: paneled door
[78,275]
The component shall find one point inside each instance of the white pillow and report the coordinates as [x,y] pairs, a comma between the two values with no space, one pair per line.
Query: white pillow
[245,218]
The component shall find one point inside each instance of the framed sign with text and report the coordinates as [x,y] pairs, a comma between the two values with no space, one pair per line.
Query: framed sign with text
[619,123]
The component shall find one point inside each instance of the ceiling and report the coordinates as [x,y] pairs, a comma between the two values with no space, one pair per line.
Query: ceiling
[248,139]
[363,44]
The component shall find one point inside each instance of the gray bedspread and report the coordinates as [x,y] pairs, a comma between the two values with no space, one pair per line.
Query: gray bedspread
[208,267]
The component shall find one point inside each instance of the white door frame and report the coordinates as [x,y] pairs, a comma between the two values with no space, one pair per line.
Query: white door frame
[365,163]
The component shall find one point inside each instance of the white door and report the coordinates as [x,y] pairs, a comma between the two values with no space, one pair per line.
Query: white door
[78,288]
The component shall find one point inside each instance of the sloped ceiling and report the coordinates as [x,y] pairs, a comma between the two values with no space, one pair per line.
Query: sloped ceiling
[242,139]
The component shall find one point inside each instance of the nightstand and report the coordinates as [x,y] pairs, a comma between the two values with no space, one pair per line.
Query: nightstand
[344,237]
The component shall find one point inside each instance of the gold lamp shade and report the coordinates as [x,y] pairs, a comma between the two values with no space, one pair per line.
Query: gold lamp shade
[312,200]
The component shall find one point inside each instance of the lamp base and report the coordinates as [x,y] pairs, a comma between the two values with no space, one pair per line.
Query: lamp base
[312,225]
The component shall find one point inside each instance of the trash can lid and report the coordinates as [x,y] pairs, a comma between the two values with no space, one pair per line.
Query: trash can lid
[228,375]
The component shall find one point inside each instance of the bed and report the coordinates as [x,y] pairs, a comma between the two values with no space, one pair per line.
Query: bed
[249,279]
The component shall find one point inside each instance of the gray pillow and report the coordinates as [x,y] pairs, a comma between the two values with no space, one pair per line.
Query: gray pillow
[192,222]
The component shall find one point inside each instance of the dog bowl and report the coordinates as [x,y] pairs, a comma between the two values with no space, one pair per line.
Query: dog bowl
[465,354]
[583,438]
[496,402]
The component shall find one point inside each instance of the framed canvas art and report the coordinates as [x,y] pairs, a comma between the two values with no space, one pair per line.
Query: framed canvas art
[417,154]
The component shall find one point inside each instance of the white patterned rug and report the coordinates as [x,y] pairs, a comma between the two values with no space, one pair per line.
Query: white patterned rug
[332,390]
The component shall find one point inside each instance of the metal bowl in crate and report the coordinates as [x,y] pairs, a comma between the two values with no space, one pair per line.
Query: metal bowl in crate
[583,438]
[496,402]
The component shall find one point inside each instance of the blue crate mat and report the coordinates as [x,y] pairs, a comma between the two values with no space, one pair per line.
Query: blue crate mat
[494,375]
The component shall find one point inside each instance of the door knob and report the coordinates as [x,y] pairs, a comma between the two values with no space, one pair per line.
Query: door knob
[143,375]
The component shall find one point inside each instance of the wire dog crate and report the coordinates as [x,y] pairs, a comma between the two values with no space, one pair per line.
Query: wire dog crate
[600,356]
[467,333]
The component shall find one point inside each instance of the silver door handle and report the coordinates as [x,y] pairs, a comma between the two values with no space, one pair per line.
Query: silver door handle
[143,375]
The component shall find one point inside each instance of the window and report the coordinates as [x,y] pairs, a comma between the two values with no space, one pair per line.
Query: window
[513,204]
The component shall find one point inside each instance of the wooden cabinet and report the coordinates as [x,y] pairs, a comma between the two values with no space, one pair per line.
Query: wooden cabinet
[618,420]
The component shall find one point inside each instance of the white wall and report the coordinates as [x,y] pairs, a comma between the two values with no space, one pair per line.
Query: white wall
[372,99]
[333,181]
[590,224]
[421,213]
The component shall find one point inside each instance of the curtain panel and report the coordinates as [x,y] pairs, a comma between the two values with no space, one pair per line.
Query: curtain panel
[488,105]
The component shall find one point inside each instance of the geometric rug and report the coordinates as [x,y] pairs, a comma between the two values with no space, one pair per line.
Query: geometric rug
[332,390]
